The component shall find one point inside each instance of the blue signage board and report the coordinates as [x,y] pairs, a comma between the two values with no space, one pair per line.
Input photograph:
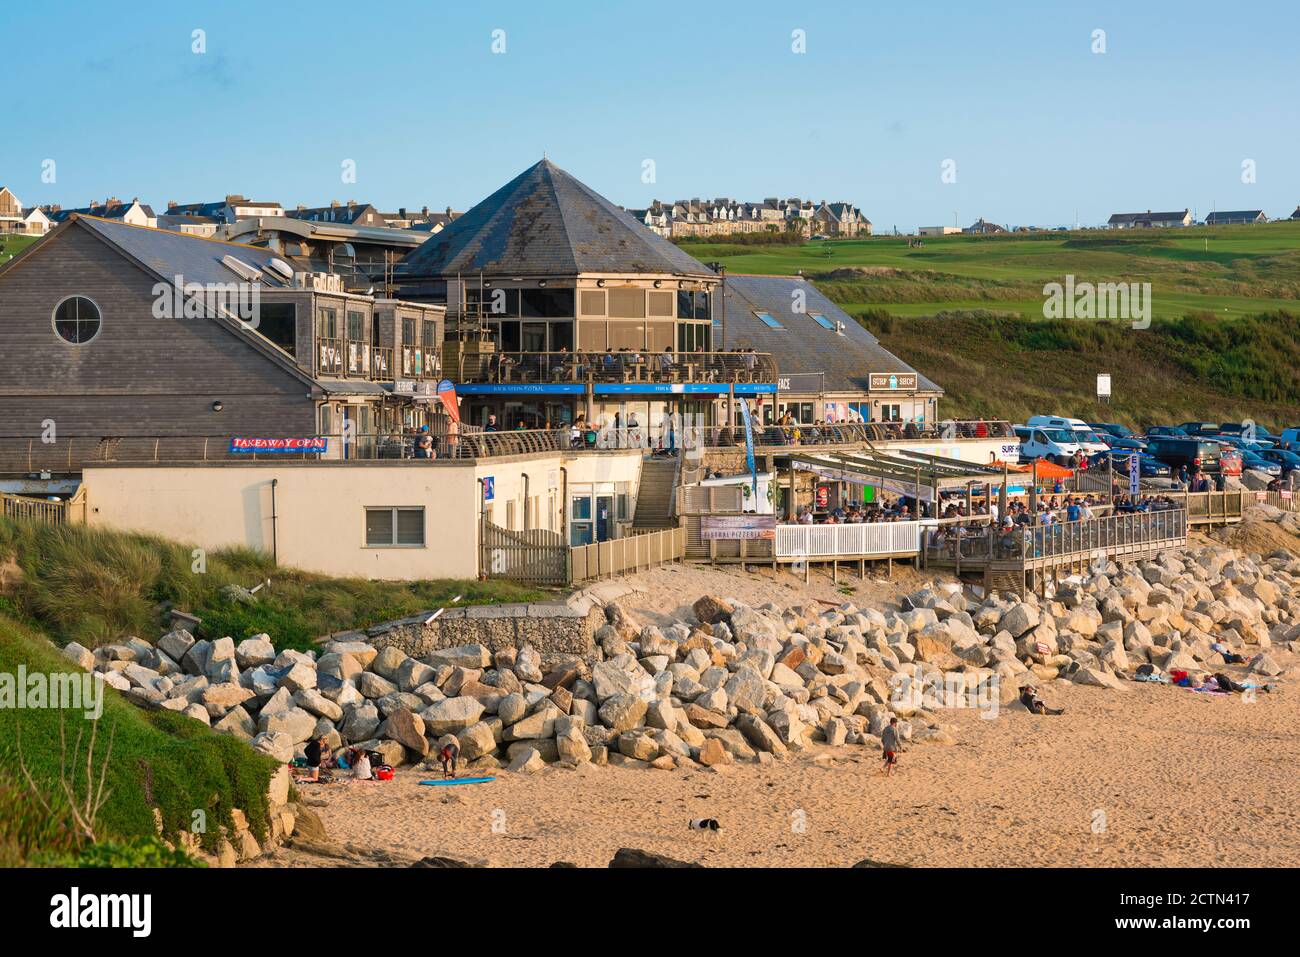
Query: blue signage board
[489,488]
[521,388]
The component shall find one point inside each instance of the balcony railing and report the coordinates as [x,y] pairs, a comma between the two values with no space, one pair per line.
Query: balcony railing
[358,354]
[329,356]
[853,433]
[624,367]
[381,366]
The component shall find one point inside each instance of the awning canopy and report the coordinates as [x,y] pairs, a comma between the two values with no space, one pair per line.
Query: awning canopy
[900,467]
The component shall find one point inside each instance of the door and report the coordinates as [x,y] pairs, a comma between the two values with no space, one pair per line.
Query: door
[604,517]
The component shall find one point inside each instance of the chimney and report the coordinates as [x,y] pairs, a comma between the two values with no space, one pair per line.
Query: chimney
[449,212]
[401,212]
[425,211]
[235,198]
[334,204]
[172,204]
[352,204]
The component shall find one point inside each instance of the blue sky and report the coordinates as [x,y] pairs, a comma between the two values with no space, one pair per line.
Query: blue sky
[1037,124]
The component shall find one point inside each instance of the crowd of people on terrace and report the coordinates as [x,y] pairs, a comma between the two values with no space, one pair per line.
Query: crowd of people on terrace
[739,365]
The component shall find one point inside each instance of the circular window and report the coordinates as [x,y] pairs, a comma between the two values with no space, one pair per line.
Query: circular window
[76,320]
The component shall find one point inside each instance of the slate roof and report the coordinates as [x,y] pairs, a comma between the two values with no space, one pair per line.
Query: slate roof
[170,253]
[803,345]
[1232,216]
[104,211]
[1147,217]
[544,222]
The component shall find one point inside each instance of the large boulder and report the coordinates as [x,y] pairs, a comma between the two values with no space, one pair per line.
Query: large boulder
[298,724]
[407,728]
[622,675]
[710,609]
[1019,618]
[277,744]
[622,712]
[460,656]
[451,715]
[311,700]
[360,722]
[746,690]
[255,651]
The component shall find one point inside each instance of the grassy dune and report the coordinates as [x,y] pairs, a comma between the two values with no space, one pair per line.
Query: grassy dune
[95,586]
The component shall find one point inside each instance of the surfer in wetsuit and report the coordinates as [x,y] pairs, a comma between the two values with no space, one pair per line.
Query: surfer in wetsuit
[448,754]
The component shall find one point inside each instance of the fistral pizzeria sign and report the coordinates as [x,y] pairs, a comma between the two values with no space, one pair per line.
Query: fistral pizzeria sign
[239,444]
[890,381]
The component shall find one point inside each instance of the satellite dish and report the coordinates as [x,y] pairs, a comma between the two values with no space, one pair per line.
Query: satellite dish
[281,268]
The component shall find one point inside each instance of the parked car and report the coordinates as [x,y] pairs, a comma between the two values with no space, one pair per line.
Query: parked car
[1290,439]
[1055,445]
[1253,460]
[1084,435]
[1257,433]
[1117,436]
[1200,428]
[1289,461]
[1148,466]
[1198,455]
[1171,431]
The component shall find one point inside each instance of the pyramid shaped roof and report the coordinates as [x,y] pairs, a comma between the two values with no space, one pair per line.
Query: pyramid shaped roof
[544,222]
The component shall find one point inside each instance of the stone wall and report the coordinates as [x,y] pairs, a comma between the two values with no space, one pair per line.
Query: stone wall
[553,628]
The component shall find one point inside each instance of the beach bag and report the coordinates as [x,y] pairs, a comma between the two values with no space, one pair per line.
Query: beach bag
[383,773]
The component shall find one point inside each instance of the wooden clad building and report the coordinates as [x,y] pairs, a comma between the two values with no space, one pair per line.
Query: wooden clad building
[110,330]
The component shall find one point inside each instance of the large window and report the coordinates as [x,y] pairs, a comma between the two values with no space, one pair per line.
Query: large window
[546,303]
[356,326]
[694,337]
[76,320]
[395,528]
[693,305]
[327,323]
[278,321]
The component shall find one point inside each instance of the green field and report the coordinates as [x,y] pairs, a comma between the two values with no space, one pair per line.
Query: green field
[1226,270]
[12,245]
[968,312]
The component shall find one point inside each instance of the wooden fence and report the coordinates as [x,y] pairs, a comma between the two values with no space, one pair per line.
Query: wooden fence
[633,553]
[866,540]
[68,511]
[536,556]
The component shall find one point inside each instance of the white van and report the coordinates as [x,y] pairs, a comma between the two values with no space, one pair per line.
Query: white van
[1085,436]
[1043,442]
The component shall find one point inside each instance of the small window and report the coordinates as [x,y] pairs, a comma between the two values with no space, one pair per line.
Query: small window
[822,321]
[356,326]
[394,527]
[76,320]
[767,320]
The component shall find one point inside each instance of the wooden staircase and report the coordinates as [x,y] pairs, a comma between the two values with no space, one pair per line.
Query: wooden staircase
[656,498]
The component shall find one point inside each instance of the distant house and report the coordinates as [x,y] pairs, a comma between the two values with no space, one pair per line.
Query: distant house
[350,214]
[937,230]
[12,216]
[982,227]
[36,222]
[229,210]
[134,213]
[841,219]
[192,224]
[1236,217]
[1296,214]
[1149,220]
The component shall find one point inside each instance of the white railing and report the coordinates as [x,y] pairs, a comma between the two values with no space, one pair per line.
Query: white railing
[858,541]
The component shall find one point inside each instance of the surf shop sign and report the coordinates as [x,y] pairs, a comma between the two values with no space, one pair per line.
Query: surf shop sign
[892,381]
[242,445]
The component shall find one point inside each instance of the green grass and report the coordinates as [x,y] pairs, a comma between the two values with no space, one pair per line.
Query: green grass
[160,760]
[13,245]
[1226,270]
[96,586]
[968,312]
[1192,368]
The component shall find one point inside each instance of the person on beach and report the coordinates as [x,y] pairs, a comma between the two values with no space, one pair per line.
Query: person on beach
[361,766]
[1229,657]
[891,742]
[313,752]
[1034,704]
[448,754]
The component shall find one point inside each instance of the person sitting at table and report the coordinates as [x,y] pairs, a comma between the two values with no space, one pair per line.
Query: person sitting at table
[666,362]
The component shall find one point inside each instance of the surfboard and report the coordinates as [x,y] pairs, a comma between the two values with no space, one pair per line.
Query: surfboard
[447,781]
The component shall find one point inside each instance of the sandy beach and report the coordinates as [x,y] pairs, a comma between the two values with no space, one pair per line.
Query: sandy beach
[1149,776]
